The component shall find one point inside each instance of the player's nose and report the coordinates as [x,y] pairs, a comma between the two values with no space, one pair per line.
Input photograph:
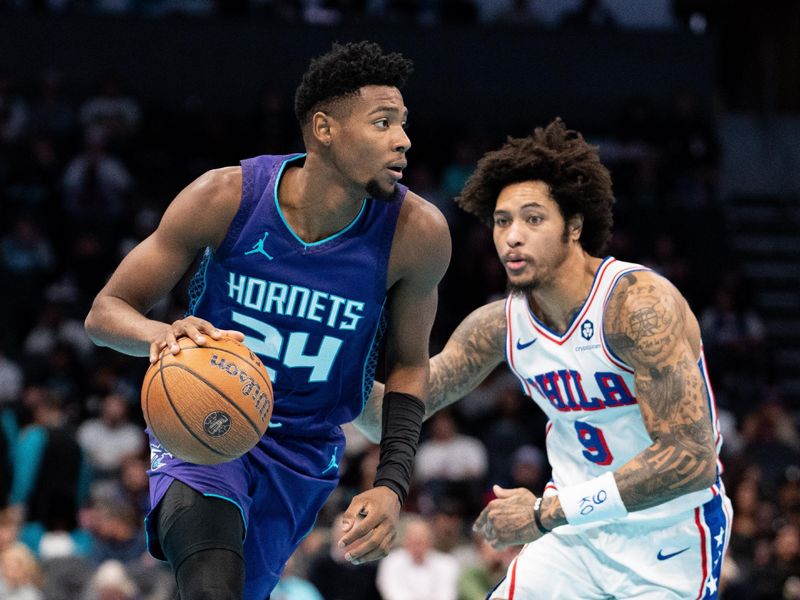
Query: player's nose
[403,142]
[515,235]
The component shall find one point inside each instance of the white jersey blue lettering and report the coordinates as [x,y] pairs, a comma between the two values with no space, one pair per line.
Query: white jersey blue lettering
[588,393]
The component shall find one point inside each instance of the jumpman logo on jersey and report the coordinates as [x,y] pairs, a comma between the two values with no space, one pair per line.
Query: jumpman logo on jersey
[333,464]
[258,247]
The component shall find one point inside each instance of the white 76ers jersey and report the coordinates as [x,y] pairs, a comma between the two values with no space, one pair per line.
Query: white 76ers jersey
[588,392]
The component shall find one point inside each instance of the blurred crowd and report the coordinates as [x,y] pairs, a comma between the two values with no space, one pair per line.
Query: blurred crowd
[516,13]
[83,179]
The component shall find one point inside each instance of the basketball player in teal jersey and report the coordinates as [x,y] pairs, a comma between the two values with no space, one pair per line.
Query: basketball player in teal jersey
[308,258]
[612,354]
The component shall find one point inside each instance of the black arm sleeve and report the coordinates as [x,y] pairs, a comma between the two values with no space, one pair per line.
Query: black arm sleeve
[401,423]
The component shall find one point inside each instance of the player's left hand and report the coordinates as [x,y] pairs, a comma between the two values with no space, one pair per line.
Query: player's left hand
[508,520]
[370,525]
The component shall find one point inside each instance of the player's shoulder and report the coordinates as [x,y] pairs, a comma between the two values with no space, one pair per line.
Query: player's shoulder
[422,235]
[422,216]
[222,185]
[645,315]
[204,209]
[641,285]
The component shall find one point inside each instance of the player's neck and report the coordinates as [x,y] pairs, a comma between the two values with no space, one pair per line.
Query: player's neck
[314,205]
[556,302]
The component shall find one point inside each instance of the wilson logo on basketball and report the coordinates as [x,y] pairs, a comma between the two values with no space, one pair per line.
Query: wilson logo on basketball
[217,423]
[250,386]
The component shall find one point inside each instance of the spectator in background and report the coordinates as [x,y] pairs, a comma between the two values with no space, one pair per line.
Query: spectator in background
[788,495]
[475,581]
[112,113]
[50,472]
[464,156]
[748,527]
[590,14]
[528,469]
[508,429]
[20,576]
[338,579]
[667,261]
[26,259]
[416,571]
[14,113]
[7,444]
[51,113]
[517,13]
[33,174]
[423,179]
[133,484]
[9,529]
[293,586]
[735,336]
[777,562]
[691,154]
[111,438]
[55,326]
[772,440]
[112,582]
[11,379]
[449,463]
[96,185]
[118,534]
[448,523]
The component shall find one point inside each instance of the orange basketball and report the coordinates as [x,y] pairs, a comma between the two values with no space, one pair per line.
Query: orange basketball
[207,404]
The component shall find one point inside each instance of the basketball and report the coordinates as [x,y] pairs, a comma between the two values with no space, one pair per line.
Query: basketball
[207,404]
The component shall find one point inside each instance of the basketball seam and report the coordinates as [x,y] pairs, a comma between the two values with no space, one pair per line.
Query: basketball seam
[267,383]
[213,387]
[180,418]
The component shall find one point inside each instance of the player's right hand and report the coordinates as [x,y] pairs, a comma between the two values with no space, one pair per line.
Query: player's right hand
[192,327]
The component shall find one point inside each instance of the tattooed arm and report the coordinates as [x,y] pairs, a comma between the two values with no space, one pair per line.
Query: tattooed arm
[472,352]
[649,324]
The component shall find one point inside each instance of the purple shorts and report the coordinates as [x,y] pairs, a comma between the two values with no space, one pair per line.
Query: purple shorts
[279,487]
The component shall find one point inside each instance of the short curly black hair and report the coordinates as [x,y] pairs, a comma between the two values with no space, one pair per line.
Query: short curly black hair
[345,69]
[560,158]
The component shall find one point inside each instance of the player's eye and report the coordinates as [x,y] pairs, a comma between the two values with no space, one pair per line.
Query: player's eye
[382,123]
[500,221]
[534,219]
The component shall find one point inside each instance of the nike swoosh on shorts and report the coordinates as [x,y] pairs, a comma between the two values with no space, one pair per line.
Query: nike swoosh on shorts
[661,556]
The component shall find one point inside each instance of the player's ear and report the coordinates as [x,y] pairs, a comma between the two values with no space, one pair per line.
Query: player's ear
[575,227]
[321,126]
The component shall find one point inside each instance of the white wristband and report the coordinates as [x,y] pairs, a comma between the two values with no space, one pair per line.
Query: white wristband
[595,500]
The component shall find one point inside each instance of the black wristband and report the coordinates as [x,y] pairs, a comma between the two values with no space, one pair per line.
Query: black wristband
[537,517]
[401,423]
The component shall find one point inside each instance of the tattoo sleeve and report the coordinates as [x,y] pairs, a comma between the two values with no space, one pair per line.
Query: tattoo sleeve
[472,352]
[649,325]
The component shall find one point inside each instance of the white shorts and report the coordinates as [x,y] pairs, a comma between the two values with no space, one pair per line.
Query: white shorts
[667,559]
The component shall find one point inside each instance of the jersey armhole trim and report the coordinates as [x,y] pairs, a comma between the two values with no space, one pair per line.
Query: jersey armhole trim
[246,204]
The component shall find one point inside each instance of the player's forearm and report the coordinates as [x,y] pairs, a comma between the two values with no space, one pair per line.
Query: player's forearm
[670,467]
[446,385]
[452,377]
[665,470]
[114,323]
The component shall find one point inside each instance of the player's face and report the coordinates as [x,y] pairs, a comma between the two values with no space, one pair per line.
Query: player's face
[371,142]
[529,235]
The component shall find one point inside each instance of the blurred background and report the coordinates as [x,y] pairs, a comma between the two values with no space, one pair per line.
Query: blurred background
[109,107]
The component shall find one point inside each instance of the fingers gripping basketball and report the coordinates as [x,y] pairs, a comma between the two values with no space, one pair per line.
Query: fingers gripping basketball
[207,404]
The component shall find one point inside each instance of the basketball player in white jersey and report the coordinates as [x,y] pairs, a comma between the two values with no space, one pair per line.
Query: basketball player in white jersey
[611,352]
